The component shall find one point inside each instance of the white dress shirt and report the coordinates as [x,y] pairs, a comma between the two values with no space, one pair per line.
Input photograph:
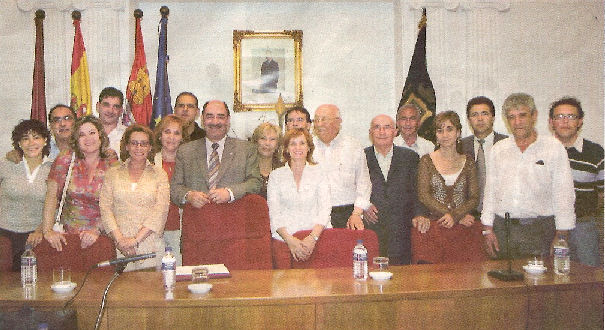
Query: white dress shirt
[487,146]
[421,146]
[384,162]
[219,150]
[115,137]
[537,182]
[298,208]
[347,169]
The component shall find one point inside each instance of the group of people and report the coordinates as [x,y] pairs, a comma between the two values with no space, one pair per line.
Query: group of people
[74,181]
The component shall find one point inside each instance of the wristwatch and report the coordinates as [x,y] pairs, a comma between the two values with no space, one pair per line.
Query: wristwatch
[315,238]
[486,232]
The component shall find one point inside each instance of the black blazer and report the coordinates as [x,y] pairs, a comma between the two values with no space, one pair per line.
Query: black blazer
[468,143]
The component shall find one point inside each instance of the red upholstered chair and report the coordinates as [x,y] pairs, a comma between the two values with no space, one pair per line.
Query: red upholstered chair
[334,249]
[6,255]
[442,245]
[72,255]
[236,234]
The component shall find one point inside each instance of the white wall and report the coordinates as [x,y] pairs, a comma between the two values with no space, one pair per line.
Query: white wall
[355,54]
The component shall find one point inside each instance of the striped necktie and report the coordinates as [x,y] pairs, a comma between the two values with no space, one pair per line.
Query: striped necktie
[213,166]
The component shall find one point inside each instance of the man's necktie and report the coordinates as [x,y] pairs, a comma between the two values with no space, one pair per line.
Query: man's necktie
[213,166]
[481,172]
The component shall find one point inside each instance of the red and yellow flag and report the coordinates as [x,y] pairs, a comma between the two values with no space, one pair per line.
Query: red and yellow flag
[138,92]
[80,80]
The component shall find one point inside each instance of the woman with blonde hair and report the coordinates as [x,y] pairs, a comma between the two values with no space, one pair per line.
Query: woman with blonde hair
[168,137]
[267,138]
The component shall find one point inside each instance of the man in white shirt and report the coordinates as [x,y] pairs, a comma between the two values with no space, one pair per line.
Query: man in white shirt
[480,112]
[345,162]
[529,177]
[408,122]
[110,108]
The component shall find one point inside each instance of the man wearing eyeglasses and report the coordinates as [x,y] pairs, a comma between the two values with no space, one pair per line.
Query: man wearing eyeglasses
[217,168]
[480,112]
[186,107]
[344,160]
[528,176]
[586,160]
[298,117]
[109,108]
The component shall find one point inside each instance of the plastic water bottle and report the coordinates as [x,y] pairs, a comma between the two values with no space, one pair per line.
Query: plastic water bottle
[561,252]
[169,269]
[360,261]
[29,269]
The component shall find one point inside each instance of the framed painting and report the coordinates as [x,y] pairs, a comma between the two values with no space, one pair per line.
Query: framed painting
[267,65]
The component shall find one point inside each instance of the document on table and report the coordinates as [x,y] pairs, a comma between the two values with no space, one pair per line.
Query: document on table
[183,273]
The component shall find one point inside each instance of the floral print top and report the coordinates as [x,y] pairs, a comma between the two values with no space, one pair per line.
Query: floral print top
[81,207]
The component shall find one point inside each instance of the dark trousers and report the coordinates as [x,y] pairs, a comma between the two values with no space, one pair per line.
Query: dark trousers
[340,215]
[17,244]
[527,236]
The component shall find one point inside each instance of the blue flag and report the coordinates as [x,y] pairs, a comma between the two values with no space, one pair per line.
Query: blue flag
[161,98]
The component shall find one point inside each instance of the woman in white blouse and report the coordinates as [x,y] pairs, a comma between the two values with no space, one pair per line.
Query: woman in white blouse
[298,196]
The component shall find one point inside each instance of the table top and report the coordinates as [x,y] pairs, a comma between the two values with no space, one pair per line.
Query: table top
[301,286]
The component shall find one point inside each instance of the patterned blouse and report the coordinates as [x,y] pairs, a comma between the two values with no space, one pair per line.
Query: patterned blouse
[458,199]
[81,207]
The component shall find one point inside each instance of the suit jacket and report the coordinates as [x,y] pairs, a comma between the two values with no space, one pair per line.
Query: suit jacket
[396,199]
[238,170]
[468,143]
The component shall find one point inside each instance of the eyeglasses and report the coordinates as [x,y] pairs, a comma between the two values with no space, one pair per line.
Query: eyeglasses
[297,120]
[139,143]
[562,116]
[63,118]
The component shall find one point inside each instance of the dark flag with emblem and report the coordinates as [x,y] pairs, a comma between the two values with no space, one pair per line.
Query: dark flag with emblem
[138,92]
[418,88]
[161,96]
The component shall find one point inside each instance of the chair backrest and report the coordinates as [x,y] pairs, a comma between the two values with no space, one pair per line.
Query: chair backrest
[454,245]
[236,234]
[335,247]
[73,255]
[6,254]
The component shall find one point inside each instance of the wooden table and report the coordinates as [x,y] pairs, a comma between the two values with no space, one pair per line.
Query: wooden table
[453,296]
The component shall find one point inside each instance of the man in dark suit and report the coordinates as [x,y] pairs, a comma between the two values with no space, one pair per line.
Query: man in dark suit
[217,168]
[394,201]
[481,113]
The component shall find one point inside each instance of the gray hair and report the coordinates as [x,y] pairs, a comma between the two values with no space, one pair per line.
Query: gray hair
[517,100]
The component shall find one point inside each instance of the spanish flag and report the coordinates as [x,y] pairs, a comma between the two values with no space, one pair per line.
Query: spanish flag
[138,92]
[80,80]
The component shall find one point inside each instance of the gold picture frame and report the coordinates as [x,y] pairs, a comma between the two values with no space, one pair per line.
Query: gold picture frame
[267,65]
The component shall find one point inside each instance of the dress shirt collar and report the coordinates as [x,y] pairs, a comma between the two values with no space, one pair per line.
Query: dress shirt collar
[389,154]
[488,139]
[336,141]
[221,147]
[578,144]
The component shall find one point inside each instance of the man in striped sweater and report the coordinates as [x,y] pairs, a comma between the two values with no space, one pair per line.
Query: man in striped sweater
[586,161]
